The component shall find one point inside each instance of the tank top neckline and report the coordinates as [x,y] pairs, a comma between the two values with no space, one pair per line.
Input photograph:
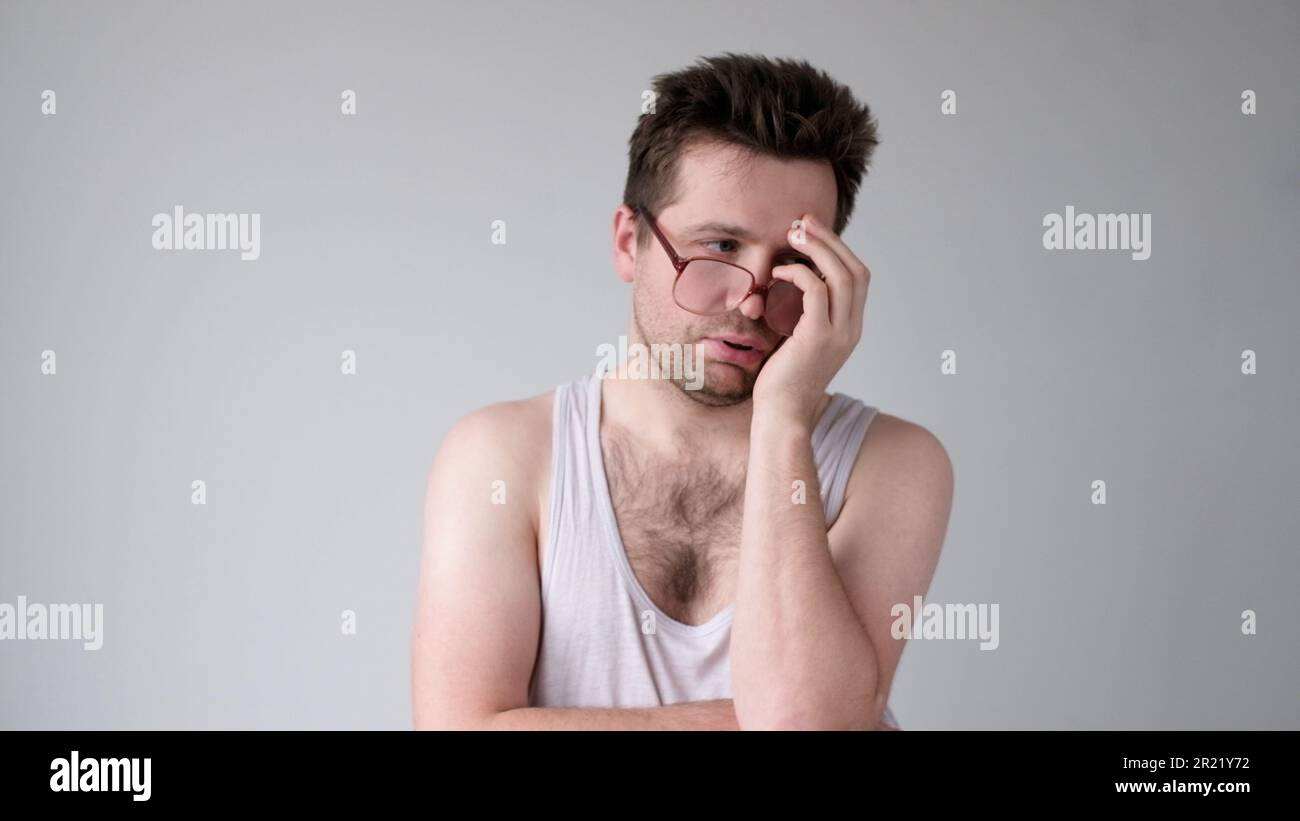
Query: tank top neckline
[614,539]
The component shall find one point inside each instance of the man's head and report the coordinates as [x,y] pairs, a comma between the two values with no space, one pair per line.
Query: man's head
[743,141]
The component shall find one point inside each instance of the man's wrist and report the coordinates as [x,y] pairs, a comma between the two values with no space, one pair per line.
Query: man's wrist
[780,421]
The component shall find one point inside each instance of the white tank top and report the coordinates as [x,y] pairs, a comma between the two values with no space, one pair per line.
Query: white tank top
[603,642]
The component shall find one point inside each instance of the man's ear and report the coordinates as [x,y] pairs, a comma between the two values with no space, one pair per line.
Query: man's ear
[625,229]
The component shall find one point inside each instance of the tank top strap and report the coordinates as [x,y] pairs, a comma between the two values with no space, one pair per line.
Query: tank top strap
[570,511]
[836,440]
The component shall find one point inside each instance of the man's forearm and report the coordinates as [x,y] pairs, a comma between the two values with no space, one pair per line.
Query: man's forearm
[799,654]
[719,714]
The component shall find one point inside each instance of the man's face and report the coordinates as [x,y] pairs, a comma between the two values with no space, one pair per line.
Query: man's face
[759,196]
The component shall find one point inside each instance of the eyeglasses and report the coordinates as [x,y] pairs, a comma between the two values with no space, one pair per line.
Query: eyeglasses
[708,287]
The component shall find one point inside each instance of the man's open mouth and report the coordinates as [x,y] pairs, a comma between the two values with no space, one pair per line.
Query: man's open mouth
[742,349]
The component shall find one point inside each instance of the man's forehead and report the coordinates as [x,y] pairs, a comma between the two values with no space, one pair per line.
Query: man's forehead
[737,193]
[713,216]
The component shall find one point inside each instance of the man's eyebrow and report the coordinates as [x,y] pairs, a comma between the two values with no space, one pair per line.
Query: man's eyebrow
[720,228]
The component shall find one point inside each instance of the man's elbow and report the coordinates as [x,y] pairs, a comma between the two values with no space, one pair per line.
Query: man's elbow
[446,719]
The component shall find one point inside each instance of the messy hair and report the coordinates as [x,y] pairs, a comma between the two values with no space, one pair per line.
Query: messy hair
[774,107]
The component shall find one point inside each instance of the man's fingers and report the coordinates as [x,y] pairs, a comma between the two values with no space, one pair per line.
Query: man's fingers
[815,295]
[839,280]
[861,273]
[856,266]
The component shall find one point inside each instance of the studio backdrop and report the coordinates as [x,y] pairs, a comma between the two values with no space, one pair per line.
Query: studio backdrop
[213,451]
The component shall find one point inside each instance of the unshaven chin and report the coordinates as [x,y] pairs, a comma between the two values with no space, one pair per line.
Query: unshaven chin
[724,384]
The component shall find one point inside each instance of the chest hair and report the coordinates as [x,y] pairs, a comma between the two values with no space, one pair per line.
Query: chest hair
[679,517]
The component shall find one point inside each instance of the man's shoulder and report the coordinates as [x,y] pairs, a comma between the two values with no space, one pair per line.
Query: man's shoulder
[892,442]
[501,448]
[901,460]
[514,430]
[901,489]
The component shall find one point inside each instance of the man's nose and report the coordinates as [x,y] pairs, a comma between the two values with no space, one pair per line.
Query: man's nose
[753,306]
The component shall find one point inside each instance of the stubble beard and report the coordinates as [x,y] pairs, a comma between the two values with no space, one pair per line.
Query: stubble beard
[706,393]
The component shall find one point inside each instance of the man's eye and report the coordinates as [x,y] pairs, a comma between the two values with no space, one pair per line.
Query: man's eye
[708,242]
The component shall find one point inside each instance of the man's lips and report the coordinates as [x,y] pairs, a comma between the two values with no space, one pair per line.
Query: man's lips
[735,349]
[741,342]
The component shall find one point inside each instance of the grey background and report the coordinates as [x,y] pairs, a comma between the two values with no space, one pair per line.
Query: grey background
[175,366]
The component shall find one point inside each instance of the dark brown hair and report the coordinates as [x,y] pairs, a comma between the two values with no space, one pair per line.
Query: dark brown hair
[771,106]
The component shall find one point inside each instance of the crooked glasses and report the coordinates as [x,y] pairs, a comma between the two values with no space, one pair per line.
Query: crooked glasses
[709,286]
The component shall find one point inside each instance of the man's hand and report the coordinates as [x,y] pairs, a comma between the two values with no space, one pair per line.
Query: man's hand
[796,376]
[810,646]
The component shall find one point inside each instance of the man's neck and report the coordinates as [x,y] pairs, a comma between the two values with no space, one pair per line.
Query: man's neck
[664,419]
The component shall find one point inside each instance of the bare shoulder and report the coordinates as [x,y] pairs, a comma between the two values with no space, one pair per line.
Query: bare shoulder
[507,433]
[892,444]
[508,441]
[902,479]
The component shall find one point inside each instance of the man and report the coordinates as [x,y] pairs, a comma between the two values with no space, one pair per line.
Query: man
[638,553]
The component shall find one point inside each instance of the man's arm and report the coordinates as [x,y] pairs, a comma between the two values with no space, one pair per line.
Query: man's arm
[810,637]
[811,644]
[478,611]
[692,715]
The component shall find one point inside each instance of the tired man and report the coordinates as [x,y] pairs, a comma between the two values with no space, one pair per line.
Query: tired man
[648,553]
